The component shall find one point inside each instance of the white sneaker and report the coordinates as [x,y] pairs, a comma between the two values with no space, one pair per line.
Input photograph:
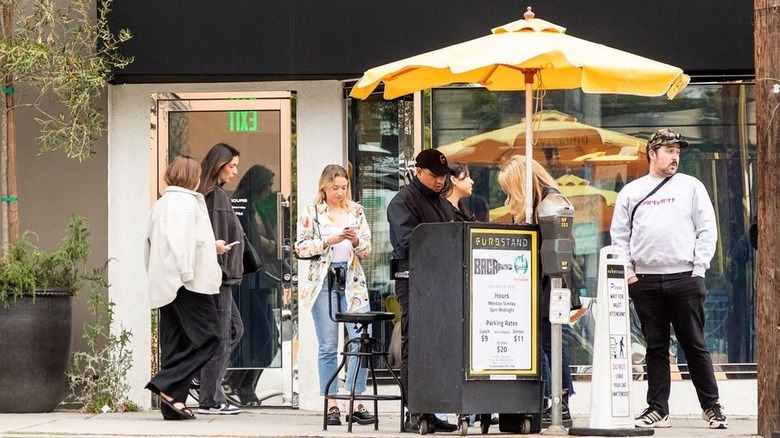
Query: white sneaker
[223,409]
[650,418]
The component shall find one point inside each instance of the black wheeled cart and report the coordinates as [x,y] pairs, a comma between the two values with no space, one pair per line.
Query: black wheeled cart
[474,339]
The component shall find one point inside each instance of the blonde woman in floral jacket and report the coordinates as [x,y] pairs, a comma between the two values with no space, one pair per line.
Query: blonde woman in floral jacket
[334,230]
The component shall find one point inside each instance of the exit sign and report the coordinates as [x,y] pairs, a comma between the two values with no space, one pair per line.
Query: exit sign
[243,121]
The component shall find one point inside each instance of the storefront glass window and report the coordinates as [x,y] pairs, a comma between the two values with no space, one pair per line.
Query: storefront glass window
[593,145]
[380,143]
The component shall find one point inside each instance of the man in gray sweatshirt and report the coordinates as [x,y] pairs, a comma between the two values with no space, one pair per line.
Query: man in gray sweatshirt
[665,223]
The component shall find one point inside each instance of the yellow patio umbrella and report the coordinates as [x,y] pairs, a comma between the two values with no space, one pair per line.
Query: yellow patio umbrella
[573,186]
[530,54]
[553,129]
[591,204]
[571,180]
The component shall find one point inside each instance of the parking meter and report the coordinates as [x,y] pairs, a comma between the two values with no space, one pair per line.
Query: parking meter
[556,218]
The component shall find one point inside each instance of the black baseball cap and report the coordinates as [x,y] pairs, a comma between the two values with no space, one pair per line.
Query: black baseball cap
[434,161]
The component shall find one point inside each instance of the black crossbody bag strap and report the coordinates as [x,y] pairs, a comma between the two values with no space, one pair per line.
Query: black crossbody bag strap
[661,184]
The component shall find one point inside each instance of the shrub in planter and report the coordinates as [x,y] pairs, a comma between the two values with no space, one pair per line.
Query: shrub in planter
[36,290]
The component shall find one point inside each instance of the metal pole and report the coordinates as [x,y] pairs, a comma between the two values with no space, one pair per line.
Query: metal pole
[529,139]
[556,344]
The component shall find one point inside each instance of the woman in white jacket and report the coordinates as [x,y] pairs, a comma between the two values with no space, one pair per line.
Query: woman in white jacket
[181,260]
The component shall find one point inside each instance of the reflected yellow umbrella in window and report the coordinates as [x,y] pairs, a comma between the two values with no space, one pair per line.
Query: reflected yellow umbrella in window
[529,54]
[558,139]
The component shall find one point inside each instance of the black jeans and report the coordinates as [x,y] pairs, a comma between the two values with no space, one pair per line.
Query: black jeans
[676,299]
[231,329]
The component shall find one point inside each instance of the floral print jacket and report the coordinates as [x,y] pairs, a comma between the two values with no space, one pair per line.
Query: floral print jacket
[314,226]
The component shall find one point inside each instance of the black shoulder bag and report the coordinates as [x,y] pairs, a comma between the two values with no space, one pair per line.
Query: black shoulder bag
[252,262]
[316,221]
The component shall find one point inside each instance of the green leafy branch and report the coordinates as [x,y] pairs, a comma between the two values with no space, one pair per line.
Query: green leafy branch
[98,375]
[66,52]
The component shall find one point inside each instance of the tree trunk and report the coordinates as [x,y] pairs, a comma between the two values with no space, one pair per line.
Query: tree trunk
[13,204]
[4,240]
[767,61]
[10,210]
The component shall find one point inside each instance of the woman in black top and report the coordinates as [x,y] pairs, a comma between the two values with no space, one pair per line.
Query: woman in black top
[459,186]
[219,166]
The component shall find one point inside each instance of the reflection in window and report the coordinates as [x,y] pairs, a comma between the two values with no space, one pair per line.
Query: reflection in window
[593,145]
[380,143]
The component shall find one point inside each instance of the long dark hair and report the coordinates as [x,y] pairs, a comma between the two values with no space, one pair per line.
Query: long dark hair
[457,169]
[218,156]
[256,181]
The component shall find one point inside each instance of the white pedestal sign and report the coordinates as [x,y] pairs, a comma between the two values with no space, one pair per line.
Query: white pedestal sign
[610,406]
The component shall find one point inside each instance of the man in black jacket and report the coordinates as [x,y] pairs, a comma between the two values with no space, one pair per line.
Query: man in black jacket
[417,203]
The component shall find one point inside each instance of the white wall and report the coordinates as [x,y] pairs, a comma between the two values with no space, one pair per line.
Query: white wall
[321,140]
[738,398]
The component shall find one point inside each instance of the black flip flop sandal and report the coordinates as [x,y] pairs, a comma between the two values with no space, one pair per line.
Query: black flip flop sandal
[171,415]
[185,412]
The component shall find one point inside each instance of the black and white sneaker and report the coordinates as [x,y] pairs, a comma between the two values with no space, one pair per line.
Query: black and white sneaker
[650,418]
[714,415]
[195,389]
[223,409]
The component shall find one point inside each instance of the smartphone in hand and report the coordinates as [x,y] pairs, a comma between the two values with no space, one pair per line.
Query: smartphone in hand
[232,244]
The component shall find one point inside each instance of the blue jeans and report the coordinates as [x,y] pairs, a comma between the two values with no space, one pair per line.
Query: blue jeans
[566,380]
[328,341]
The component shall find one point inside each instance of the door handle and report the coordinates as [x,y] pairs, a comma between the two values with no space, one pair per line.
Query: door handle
[281,205]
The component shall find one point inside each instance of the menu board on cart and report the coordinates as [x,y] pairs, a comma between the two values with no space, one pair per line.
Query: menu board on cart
[502,310]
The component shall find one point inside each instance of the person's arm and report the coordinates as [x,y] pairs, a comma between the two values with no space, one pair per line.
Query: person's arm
[179,229]
[620,232]
[148,244]
[705,224]
[402,222]
[309,242]
[363,235]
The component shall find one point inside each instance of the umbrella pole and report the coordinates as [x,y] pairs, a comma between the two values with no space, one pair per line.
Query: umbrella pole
[529,133]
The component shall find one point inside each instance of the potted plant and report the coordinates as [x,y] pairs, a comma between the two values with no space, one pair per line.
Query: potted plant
[61,53]
[36,290]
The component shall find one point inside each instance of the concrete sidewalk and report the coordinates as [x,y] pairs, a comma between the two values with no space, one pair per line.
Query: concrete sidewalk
[274,422]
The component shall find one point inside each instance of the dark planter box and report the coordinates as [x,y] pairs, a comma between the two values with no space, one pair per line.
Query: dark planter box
[35,345]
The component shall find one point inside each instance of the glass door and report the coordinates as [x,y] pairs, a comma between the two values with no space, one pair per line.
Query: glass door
[258,124]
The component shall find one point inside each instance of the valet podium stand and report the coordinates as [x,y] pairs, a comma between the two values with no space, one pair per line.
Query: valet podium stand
[474,324]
